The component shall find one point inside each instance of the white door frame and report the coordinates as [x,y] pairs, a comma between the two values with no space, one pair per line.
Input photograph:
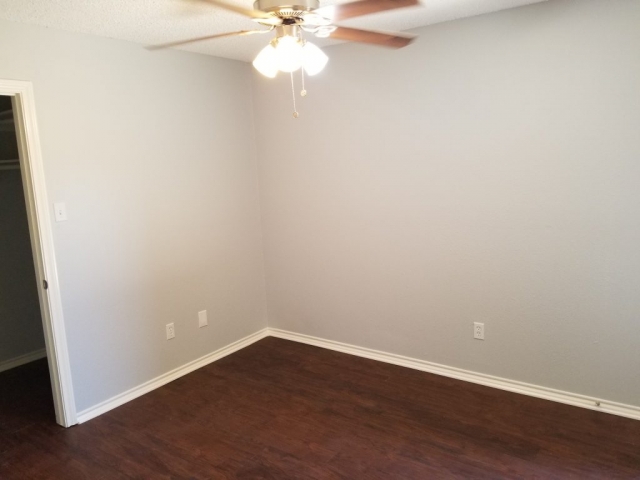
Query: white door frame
[41,233]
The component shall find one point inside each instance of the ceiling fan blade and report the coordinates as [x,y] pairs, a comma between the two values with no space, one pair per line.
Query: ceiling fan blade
[207,37]
[362,7]
[390,40]
[238,9]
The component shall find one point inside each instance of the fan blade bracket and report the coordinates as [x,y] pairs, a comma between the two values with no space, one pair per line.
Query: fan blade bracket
[315,20]
[272,21]
[322,31]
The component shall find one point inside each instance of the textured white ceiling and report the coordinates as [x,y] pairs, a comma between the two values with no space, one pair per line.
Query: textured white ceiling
[157,21]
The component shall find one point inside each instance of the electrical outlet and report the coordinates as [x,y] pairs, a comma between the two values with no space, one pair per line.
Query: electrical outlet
[171,331]
[478,331]
[202,319]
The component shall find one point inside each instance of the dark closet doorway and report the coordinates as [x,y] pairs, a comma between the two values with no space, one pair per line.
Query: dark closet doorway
[25,387]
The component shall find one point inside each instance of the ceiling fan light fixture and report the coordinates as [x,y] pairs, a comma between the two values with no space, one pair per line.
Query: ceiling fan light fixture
[266,61]
[289,55]
[288,51]
[313,59]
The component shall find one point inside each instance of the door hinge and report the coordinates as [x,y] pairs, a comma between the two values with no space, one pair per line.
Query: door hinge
[45,284]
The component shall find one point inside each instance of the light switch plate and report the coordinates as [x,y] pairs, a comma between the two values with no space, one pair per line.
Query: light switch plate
[60,211]
[202,319]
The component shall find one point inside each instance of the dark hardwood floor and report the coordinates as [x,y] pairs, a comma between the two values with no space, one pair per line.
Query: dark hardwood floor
[283,410]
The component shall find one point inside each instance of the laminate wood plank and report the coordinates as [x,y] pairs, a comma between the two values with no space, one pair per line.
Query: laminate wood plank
[280,410]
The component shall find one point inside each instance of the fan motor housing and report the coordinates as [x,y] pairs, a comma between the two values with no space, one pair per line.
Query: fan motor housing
[277,5]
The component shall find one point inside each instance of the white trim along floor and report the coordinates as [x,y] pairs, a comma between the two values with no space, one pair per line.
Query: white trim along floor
[629,411]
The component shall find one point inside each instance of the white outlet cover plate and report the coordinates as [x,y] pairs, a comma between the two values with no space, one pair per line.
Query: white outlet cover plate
[478,330]
[171,331]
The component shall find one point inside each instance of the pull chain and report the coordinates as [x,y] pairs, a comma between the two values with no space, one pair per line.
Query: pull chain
[293,93]
[303,92]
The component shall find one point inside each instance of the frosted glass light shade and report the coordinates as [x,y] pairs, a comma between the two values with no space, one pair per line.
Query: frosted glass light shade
[288,54]
[313,59]
[266,62]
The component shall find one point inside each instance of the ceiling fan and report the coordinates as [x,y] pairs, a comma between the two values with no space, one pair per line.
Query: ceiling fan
[289,51]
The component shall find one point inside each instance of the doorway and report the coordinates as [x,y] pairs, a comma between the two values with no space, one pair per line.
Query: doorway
[30,306]
[25,393]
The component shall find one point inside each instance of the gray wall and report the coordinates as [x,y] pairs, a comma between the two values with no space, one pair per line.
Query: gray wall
[20,321]
[491,173]
[154,155]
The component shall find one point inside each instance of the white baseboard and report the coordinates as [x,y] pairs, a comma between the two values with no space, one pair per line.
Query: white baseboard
[146,387]
[629,411]
[22,359]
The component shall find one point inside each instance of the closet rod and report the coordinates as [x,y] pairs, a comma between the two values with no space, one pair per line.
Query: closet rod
[9,164]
